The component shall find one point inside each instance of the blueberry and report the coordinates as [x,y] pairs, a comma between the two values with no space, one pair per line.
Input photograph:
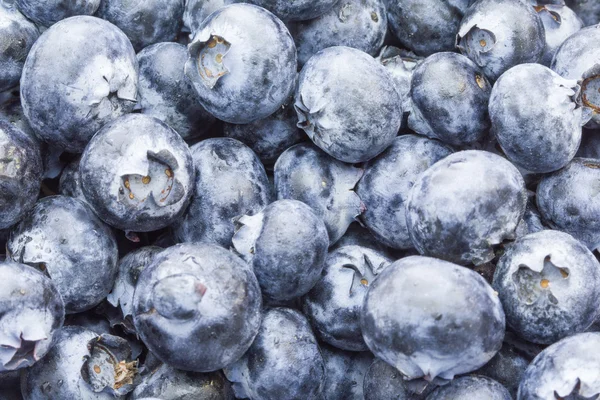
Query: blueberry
[432,319]
[566,200]
[12,111]
[62,237]
[344,373]
[165,93]
[426,27]
[31,311]
[238,78]
[168,383]
[360,236]
[400,64]
[464,205]
[358,24]
[549,285]
[578,58]
[589,11]
[449,99]
[284,362]
[230,182]
[590,145]
[471,386]
[305,173]
[270,136]
[82,365]
[382,381]
[507,367]
[17,35]
[352,117]
[298,10]
[48,12]
[566,370]
[137,173]
[202,294]
[20,173]
[129,270]
[9,385]
[560,22]
[70,88]
[499,34]
[531,221]
[147,22]
[535,117]
[196,11]
[90,321]
[286,245]
[387,181]
[334,304]
[70,183]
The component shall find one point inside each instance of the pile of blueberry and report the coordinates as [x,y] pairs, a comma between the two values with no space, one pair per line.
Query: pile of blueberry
[307,199]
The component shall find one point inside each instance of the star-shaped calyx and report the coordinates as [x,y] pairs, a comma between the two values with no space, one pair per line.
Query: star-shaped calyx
[576,394]
[364,276]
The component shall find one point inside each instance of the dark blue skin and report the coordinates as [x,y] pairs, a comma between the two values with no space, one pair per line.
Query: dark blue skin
[299,10]
[146,22]
[284,362]
[360,24]
[196,12]
[71,88]
[168,383]
[238,79]
[426,27]
[308,174]
[382,381]
[549,285]
[344,373]
[449,97]
[183,298]
[334,304]
[270,136]
[49,12]
[352,117]
[471,386]
[507,367]
[578,58]
[12,111]
[400,64]
[360,236]
[499,34]
[464,205]
[230,182]
[536,117]
[566,370]
[590,145]
[137,174]
[81,365]
[69,183]
[165,93]
[9,385]
[31,311]
[16,38]
[286,245]
[387,181]
[62,237]
[560,22]
[432,319]
[588,11]
[531,221]
[20,173]
[129,269]
[566,200]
